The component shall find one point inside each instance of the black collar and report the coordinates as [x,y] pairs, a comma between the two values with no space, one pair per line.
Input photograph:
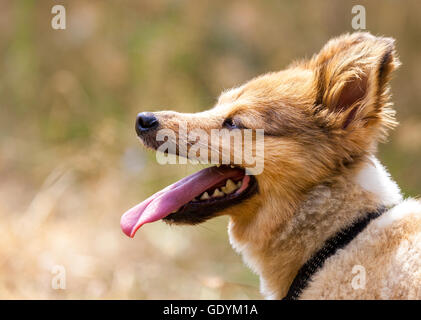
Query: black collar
[333,244]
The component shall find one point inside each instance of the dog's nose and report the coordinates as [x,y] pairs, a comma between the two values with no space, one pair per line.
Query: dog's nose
[145,121]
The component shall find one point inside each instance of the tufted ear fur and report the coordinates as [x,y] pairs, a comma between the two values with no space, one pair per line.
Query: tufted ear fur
[352,74]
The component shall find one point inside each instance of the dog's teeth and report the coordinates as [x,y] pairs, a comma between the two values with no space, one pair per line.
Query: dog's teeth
[230,186]
[229,183]
[218,165]
[217,193]
[239,184]
[204,196]
[232,166]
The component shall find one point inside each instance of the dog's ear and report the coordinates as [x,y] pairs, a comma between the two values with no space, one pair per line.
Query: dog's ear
[352,73]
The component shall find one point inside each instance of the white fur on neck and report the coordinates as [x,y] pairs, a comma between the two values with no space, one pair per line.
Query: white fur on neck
[375,179]
[399,212]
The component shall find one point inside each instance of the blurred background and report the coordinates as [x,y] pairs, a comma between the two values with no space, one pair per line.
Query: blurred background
[70,162]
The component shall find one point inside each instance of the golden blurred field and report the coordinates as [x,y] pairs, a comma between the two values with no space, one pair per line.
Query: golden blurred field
[70,163]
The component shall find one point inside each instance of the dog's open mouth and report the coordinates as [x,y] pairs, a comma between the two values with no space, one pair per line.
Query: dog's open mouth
[193,199]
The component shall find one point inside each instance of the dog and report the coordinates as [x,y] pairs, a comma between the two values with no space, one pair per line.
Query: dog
[324,220]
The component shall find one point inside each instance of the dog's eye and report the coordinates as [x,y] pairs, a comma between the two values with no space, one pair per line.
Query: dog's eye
[230,124]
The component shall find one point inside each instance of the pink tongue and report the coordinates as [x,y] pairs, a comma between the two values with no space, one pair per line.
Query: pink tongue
[162,203]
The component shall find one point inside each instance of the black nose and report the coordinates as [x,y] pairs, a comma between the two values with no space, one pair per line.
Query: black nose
[145,121]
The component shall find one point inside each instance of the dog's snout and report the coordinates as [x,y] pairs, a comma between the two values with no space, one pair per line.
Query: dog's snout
[146,121]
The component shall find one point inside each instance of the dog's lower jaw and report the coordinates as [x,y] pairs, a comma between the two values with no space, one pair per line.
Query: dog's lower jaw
[279,253]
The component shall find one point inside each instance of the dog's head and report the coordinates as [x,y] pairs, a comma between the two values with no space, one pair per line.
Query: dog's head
[320,117]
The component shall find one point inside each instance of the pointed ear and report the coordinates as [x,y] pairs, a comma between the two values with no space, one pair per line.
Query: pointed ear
[352,73]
